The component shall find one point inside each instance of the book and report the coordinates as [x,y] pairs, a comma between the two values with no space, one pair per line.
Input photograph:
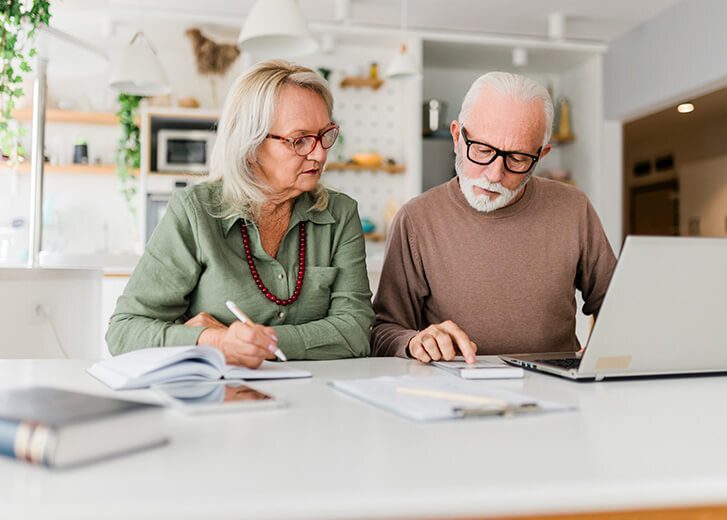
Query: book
[162,365]
[485,367]
[438,398]
[58,428]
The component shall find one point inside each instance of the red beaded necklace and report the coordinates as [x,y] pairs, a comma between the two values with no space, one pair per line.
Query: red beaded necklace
[256,277]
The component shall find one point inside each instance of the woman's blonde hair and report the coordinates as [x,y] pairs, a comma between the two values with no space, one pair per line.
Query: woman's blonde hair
[246,120]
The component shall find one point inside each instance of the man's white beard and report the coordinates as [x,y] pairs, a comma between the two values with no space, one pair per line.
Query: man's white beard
[483,202]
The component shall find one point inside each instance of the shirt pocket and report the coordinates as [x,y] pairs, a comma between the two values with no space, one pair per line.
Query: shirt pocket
[315,297]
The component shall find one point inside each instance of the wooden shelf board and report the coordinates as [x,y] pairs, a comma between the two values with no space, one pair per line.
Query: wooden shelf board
[351,81]
[562,140]
[389,168]
[86,169]
[69,116]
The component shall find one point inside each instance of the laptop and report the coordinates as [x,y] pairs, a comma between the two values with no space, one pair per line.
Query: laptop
[665,313]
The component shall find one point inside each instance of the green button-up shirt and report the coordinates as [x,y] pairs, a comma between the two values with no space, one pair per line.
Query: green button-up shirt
[195,261]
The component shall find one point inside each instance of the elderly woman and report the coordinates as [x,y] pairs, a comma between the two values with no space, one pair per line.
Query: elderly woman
[263,233]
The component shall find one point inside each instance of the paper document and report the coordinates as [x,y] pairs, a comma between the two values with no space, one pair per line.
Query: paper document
[441,397]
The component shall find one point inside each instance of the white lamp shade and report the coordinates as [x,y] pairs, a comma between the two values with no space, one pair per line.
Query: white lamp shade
[402,66]
[139,72]
[276,28]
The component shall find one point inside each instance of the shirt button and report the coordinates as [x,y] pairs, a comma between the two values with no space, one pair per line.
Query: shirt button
[281,315]
[281,276]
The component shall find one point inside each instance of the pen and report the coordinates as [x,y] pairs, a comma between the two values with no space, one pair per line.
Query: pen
[234,309]
[493,406]
[452,396]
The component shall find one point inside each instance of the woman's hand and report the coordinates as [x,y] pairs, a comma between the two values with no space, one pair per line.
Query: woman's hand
[204,320]
[241,343]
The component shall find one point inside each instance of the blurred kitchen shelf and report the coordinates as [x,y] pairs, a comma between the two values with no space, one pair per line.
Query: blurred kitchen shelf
[86,169]
[69,116]
[353,81]
[389,168]
[179,174]
[563,140]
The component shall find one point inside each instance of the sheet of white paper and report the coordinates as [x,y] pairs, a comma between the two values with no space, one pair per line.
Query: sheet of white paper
[383,392]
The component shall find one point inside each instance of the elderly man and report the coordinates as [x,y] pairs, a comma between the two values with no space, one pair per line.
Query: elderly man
[488,263]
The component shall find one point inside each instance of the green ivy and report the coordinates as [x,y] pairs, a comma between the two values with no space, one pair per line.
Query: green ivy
[128,149]
[20,22]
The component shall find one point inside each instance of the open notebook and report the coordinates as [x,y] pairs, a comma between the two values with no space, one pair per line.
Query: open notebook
[161,365]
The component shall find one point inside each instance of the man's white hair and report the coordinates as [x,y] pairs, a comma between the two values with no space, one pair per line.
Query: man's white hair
[515,85]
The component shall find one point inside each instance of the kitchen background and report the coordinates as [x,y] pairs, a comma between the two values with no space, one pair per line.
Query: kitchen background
[88,223]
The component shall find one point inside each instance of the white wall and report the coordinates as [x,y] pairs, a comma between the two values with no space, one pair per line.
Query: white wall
[583,85]
[610,200]
[679,52]
[72,300]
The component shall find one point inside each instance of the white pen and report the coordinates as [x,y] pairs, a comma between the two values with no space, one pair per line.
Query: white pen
[234,309]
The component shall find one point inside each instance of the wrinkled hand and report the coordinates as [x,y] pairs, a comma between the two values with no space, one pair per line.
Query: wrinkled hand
[245,344]
[204,320]
[442,341]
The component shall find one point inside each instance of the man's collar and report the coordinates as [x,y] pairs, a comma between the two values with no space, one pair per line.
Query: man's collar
[302,211]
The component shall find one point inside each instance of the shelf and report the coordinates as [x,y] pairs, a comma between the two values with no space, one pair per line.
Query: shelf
[351,81]
[562,140]
[178,174]
[388,168]
[69,116]
[85,169]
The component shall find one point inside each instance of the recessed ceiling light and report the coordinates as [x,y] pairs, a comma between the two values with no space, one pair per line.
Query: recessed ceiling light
[685,108]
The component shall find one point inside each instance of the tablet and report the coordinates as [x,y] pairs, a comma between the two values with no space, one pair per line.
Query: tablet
[215,396]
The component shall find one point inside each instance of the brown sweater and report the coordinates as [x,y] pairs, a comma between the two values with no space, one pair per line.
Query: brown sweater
[508,277]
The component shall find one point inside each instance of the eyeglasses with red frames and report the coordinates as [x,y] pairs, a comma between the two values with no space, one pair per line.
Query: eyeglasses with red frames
[305,144]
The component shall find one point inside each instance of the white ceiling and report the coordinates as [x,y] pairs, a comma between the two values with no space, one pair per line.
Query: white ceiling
[109,24]
[593,20]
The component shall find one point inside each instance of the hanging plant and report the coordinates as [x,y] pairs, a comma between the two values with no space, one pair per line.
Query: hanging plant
[128,148]
[20,22]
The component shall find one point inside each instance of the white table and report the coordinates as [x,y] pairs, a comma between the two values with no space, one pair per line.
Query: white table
[631,445]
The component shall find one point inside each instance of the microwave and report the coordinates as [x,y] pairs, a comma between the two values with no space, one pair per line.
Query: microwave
[186,151]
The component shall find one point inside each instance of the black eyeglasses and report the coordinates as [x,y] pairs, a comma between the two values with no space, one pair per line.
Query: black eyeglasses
[305,144]
[484,154]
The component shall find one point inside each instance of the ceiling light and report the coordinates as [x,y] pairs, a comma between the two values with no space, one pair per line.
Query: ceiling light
[556,26]
[402,66]
[685,108]
[276,28]
[139,72]
[519,56]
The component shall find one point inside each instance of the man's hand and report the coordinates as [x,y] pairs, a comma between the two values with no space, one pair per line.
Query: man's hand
[442,341]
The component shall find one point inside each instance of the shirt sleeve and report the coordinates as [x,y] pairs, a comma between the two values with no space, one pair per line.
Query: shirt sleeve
[596,264]
[346,330]
[402,290]
[151,311]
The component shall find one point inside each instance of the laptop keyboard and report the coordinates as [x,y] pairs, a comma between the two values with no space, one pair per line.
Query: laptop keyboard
[567,363]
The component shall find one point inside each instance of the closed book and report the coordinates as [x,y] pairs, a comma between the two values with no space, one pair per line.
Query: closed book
[59,428]
[162,365]
[485,367]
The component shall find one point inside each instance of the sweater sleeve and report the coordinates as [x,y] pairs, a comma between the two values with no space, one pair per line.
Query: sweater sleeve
[151,311]
[402,290]
[596,263]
